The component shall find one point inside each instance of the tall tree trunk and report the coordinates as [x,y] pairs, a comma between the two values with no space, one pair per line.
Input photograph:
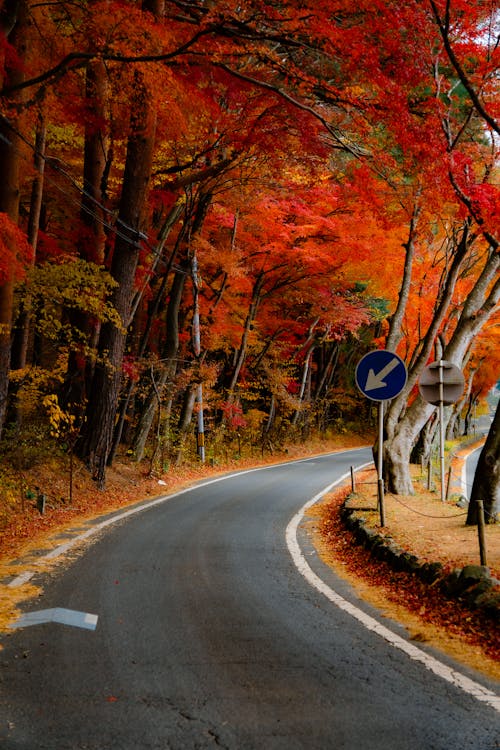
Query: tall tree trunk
[270,417]
[169,365]
[421,452]
[103,401]
[401,427]
[397,450]
[193,223]
[152,315]
[395,331]
[95,158]
[22,328]
[478,307]
[14,21]
[241,354]
[486,485]
[467,401]
[93,237]
[185,420]
[299,411]
[309,347]
[328,371]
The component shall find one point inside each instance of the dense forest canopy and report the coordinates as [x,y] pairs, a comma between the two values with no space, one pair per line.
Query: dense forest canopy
[209,209]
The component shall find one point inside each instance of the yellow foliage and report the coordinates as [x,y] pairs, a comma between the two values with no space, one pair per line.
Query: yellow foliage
[61,422]
[255,418]
[10,498]
[33,383]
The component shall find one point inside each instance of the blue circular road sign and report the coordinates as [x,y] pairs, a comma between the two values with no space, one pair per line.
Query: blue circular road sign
[381,375]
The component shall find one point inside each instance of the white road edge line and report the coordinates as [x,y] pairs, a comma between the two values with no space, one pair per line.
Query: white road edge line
[433,665]
[62,548]
[463,479]
[23,578]
[456,678]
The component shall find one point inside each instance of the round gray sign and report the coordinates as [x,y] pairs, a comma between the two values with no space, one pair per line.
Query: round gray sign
[451,377]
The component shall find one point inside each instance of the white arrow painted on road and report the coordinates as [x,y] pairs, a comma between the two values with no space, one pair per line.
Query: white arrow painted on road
[376,380]
[60,615]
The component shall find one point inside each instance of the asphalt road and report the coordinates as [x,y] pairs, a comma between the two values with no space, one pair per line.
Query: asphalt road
[471,466]
[209,636]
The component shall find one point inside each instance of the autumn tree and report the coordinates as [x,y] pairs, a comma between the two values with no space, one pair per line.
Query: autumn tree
[103,397]
[485,487]
[476,73]
[346,148]
[437,140]
[289,305]
[91,240]
[14,21]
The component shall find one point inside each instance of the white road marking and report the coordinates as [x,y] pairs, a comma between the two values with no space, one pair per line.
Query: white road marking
[463,480]
[433,665]
[456,678]
[63,616]
[62,548]
[21,579]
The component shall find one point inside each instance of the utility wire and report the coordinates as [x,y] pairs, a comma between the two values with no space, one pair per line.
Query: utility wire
[55,164]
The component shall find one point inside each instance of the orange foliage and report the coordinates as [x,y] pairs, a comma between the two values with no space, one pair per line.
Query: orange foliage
[292,145]
[15,252]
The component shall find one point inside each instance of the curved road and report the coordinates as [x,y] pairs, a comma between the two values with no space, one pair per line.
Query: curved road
[209,636]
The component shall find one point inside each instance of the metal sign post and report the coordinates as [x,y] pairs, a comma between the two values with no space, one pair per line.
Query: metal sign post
[200,432]
[380,463]
[441,384]
[380,376]
[441,430]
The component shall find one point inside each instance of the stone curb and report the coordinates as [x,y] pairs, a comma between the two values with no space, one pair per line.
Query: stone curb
[473,584]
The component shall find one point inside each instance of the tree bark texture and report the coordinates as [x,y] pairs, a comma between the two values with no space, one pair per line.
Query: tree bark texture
[96,148]
[93,217]
[486,485]
[14,21]
[395,331]
[398,446]
[185,420]
[403,426]
[169,365]
[241,354]
[19,355]
[105,388]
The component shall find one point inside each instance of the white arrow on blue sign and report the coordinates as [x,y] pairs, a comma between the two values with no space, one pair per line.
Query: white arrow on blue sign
[381,375]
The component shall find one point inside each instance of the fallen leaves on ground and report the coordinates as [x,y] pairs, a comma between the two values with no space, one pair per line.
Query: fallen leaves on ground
[467,634]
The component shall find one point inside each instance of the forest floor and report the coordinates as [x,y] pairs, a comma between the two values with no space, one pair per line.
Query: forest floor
[422,524]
